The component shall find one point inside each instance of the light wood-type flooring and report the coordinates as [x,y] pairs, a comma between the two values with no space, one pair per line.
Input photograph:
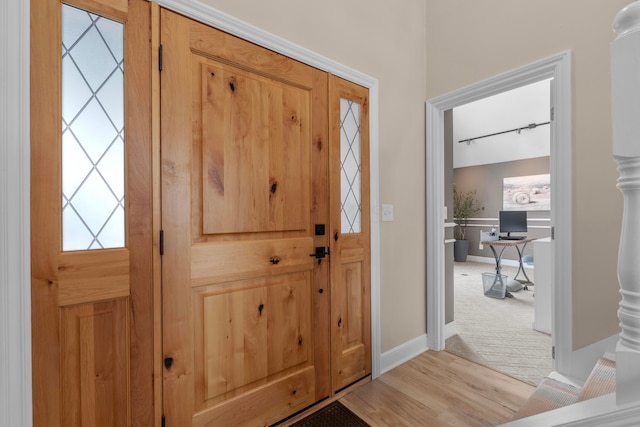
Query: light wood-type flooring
[437,389]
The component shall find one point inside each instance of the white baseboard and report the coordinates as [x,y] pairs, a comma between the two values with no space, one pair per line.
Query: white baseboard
[482,259]
[410,349]
[579,363]
[492,261]
[402,353]
[450,330]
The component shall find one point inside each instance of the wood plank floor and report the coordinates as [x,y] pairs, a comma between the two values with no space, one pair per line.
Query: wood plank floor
[438,389]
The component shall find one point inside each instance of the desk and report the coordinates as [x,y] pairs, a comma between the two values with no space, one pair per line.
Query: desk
[503,244]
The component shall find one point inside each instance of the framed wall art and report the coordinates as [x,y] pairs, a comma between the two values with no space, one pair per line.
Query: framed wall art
[529,193]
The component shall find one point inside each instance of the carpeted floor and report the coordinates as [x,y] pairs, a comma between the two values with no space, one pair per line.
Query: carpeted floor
[498,333]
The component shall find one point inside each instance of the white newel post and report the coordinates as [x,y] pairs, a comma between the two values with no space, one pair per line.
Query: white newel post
[625,74]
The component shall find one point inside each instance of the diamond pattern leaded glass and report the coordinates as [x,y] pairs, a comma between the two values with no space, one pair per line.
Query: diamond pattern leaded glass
[92,131]
[350,189]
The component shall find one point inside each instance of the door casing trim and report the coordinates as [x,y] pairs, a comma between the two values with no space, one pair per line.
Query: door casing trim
[223,21]
[557,67]
[15,208]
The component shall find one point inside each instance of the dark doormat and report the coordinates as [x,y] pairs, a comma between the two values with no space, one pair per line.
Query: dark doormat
[333,415]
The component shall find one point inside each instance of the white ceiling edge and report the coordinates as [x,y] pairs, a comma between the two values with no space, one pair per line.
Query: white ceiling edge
[513,109]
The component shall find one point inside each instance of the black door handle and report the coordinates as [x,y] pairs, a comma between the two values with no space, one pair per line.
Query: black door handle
[321,252]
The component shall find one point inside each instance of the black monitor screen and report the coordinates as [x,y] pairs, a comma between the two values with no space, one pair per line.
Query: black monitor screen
[513,221]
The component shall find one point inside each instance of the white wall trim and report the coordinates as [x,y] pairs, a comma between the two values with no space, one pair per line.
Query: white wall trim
[450,329]
[557,67]
[597,412]
[579,363]
[404,352]
[492,261]
[15,270]
[218,19]
[435,240]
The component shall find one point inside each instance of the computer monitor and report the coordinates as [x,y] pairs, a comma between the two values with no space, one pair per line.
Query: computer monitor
[513,221]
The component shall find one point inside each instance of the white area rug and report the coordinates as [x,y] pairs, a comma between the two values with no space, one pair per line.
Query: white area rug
[498,333]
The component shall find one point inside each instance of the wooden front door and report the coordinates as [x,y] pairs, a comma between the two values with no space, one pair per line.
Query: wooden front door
[350,256]
[92,325]
[244,164]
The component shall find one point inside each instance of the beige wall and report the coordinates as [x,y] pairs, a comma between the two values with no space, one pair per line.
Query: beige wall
[464,42]
[387,42]
[471,41]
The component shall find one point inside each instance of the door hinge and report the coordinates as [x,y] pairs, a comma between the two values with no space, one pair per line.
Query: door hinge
[164,421]
[552,113]
[553,232]
[160,58]
[553,352]
[161,242]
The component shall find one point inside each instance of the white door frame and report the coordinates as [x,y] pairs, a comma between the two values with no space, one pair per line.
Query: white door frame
[15,260]
[557,67]
[222,21]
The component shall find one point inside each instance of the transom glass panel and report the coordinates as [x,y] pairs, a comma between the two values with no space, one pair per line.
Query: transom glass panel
[350,160]
[92,131]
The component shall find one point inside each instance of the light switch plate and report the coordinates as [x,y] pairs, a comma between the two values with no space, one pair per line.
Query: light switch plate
[387,212]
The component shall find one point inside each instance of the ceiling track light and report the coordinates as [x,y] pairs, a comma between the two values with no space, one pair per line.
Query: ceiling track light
[517,130]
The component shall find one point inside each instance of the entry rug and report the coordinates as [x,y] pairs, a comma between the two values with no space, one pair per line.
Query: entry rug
[333,415]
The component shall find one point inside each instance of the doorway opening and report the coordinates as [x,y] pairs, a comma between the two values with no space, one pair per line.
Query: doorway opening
[558,69]
[497,154]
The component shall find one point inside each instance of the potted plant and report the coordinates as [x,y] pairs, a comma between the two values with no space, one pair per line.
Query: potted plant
[465,206]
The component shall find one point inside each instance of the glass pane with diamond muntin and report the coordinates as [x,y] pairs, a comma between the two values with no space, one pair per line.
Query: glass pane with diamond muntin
[350,188]
[92,131]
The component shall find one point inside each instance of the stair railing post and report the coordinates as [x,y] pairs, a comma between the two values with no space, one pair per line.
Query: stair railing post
[625,74]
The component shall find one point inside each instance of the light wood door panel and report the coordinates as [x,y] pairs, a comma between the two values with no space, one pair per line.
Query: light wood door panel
[350,257]
[93,276]
[243,299]
[234,330]
[240,111]
[95,364]
[92,324]
[233,260]
[244,333]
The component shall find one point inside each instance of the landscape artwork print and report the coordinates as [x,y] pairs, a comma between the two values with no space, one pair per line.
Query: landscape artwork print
[527,193]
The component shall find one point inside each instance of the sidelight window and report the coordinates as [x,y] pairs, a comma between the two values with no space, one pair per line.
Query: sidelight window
[350,160]
[93,212]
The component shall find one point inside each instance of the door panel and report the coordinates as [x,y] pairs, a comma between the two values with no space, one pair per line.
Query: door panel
[240,111]
[93,276]
[248,258]
[245,334]
[267,400]
[96,357]
[243,306]
[350,263]
[234,330]
[88,304]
